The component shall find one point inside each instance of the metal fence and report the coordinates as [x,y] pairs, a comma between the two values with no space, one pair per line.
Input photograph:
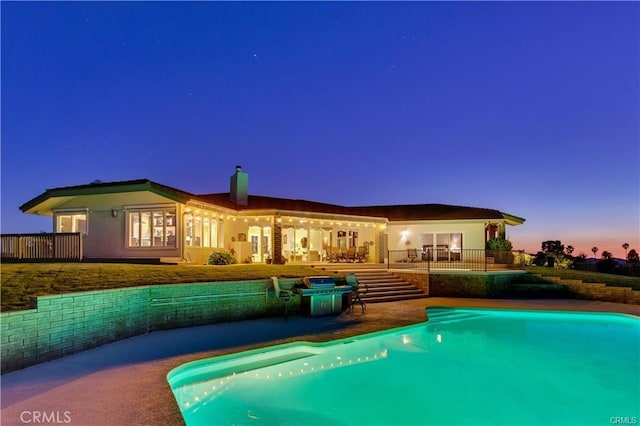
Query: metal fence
[44,247]
[456,260]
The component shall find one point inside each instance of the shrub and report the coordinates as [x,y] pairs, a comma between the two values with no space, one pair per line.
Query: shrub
[221,258]
[499,244]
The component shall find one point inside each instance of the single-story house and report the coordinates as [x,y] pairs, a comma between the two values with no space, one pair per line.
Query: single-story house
[141,219]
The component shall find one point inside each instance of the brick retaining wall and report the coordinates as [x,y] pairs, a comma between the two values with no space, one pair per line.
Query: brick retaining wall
[64,324]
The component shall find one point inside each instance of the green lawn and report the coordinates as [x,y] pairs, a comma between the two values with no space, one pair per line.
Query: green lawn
[20,281]
[587,277]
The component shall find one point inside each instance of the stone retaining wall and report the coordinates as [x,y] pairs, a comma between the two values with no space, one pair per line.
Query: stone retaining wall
[64,324]
[598,291]
[418,279]
[471,284]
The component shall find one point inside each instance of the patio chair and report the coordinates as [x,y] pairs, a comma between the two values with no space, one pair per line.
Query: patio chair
[412,255]
[357,290]
[284,295]
[351,254]
[361,254]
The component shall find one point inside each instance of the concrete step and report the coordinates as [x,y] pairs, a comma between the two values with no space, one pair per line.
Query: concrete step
[383,286]
[373,294]
[394,298]
[381,281]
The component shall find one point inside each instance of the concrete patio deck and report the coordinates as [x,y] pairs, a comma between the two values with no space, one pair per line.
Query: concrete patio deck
[124,383]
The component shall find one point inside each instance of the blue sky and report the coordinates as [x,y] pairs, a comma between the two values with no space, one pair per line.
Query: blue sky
[532,108]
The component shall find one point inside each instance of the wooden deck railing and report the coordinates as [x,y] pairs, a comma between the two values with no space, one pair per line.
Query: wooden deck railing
[44,247]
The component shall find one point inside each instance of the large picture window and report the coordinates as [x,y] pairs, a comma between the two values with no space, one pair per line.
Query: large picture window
[152,228]
[72,222]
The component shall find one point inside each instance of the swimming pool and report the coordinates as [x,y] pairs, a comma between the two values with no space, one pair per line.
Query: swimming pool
[463,366]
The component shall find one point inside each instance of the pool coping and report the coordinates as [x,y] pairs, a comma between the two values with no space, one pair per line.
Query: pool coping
[125,383]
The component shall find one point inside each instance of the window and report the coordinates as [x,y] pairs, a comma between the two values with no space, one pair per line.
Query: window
[442,247]
[152,228]
[71,222]
[200,230]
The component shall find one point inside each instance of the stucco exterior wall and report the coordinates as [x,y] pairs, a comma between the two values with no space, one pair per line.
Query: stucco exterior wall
[472,233]
[106,234]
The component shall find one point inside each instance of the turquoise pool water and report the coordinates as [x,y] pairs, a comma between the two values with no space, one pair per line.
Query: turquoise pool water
[464,367]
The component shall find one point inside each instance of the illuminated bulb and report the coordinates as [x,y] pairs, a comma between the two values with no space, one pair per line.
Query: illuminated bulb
[196,399]
[186,404]
[279,374]
[405,340]
[439,338]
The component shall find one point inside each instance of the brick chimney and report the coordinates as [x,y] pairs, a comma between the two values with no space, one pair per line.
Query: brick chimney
[239,187]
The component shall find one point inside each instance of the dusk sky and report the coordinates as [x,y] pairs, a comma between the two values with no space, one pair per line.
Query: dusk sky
[531,108]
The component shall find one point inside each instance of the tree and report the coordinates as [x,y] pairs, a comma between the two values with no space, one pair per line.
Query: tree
[569,250]
[625,246]
[553,248]
[554,251]
[633,257]
[607,264]
[594,249]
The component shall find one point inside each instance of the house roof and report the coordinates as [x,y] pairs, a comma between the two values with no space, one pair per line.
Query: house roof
[404,212]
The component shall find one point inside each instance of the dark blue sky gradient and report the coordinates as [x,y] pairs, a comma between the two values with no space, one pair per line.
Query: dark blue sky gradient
[530,108]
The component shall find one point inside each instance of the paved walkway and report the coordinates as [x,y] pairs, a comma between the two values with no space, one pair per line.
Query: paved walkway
[124,383]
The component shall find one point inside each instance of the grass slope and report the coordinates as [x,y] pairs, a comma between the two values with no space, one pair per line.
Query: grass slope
[587,277]
[21,281]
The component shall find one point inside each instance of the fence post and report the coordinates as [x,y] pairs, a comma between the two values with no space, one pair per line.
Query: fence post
[485,259]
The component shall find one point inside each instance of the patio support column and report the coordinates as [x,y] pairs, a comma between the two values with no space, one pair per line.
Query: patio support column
[277,243]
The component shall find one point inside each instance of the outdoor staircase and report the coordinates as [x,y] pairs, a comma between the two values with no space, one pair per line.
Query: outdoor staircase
[382,286]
